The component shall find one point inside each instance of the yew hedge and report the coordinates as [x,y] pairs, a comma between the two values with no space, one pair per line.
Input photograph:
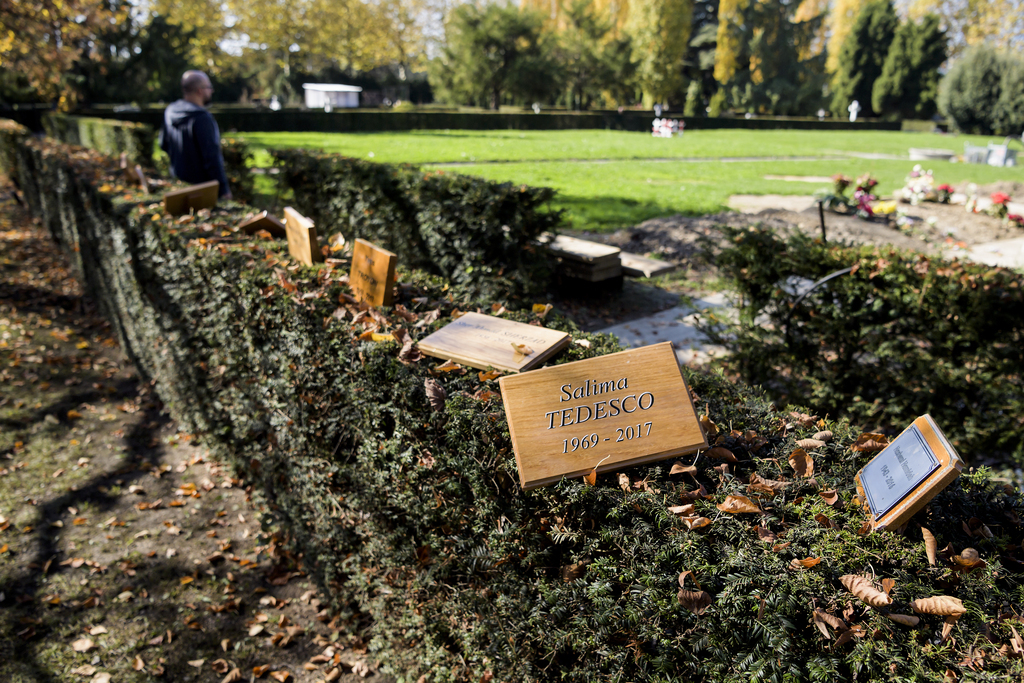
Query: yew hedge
[412,517]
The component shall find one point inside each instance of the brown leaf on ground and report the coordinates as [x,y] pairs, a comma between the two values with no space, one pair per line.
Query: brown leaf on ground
[101,677]
[709,427]
[888,585]
[138,664]
[260,671]
[591,478]
[855,631]
[870,442]
[825,436]
[719,453]
[487,376]
[943,605]
[863,588]
[521,349]
[735,504]
[410,353]
[947,626]
[696,522]
[680,468]
[280,676]
[830,497]
[803,419]
[810,444]
[904,619]
[822,620]
[695,601]
[765,535]
[805,563]
[931,545]
[781,546]
[802,463]
[824,521]
[197,663]
[435,394]
[84,670]
[771,487]
[82,645]
[682,510]
[220,666]
[1017,642]
[233,676]
[968,558]
[571,572]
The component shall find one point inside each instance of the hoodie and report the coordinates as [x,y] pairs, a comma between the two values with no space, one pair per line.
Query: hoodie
[191,138]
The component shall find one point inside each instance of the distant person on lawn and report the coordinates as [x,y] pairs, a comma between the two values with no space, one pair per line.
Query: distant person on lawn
[190,135]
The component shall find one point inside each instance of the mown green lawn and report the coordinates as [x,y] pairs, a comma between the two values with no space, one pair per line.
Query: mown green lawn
[610,179]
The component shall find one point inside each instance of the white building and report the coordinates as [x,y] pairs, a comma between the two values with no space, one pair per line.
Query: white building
[331,95]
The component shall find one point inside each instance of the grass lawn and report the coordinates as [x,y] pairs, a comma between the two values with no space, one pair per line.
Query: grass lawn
[610,179]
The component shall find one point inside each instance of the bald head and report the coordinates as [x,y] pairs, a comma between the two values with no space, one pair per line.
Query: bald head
[196,87]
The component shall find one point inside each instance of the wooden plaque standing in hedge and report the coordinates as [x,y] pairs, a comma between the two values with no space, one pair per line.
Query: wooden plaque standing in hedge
[900,480]
[485,341]
[263,221]
[610,412]
[302,242]
[372,277]
[192,198]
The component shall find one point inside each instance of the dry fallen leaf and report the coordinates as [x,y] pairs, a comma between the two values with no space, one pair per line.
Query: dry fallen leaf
[101,677]
[709,427]
[682,510]
[591,478]
[765,535]
[968,558]
[719,453]
[138,664]
[695,601]
[805,563]
[822,620]
[696,522]
[541,310]
[759,484]
[233,676]
[825,436]
[435,394]
[680,468]
[84,670]
[280,676]
[255,629]
[97,630]
[197,663]
[82,645]
[943,605]
[802,463]
[735,504]
[830,497]
[521,349]
[810,444]
[260,671]
[869,442]
[863,588]
[486,376]
[905,619]
[888,585]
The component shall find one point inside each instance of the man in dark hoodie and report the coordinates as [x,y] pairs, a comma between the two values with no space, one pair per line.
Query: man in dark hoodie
[190,135]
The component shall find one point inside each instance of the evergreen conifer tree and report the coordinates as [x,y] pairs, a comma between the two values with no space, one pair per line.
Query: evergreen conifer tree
[862,57]
[909,84]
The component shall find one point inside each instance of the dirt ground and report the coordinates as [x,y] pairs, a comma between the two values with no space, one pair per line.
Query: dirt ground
[127,553]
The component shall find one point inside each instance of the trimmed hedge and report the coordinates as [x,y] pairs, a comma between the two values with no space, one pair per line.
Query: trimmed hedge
[107,136]
[412,515]
[903,335]
[477,233]
[366,121]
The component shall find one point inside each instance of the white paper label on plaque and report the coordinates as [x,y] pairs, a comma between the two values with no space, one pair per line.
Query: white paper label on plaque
[888,480]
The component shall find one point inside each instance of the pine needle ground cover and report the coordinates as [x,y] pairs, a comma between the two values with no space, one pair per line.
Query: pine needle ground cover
[405,509]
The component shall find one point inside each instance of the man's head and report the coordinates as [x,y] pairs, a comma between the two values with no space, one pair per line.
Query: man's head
[196,88]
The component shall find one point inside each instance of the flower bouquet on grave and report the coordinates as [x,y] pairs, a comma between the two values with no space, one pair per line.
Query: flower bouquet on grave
[863,200]
[944,193]
[998,208]
[835,200]
[1016,220]
[866,183]
[971,205]
[919,187]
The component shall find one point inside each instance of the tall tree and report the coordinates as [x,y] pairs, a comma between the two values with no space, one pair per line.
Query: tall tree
[909,84]
[42,39]
[592,62]
[841,19]
[731,27]
[863,56]
[817,11]
[494,51]
[205,22]
[999,23]
[660,30]
[700,58]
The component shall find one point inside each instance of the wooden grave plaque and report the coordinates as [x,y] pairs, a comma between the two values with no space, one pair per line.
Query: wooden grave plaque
[302,242]
[372,277]
[263,221]
[611,412]
[485,341]
[193,197]
[908,473]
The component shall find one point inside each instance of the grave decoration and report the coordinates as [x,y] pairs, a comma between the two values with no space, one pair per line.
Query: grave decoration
[372,277]
[908,473]
[485,341]
[192,198]
[583,259]
[302,242]
[263,221]
[600,414]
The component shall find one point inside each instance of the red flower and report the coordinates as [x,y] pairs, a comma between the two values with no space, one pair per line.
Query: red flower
[1000,197]
[946,188]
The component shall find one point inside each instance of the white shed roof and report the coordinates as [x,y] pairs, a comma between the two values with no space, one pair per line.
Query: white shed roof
[332,87]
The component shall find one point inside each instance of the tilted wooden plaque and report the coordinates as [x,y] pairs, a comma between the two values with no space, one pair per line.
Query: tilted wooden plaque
[611,412]
[263,221]
[485,341]
[302,243]
[372,277]
[194,197]
[904,477]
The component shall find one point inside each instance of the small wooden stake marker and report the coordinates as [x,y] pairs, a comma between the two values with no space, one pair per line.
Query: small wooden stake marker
[263,221]
[618,410]
[372,277]
[485,341]
[908,473]
[302,243]
[194,197]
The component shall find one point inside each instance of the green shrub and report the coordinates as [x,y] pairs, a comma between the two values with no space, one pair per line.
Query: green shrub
[909,84]
[982,92]
[862,57]
[238,160]
[107,136]
[477,233]
[411,521]
[901,336]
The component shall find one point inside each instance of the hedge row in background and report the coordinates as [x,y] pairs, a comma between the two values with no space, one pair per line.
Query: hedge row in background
[900,336]
[477,233]
[365,121]
[408,510]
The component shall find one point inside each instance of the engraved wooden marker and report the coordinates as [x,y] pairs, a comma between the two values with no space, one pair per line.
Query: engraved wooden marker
[194,197]
[372,277]
[485,341]
[263,221]
[904,477]
[619,410]
[302,243]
